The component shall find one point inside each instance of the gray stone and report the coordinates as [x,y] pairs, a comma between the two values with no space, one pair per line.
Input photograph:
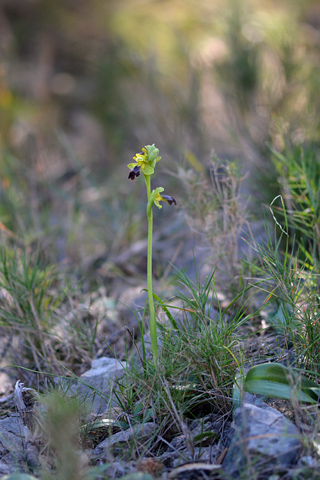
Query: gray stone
[95,385]
[13,436]
[123,443]
[263,438]
[15,446]
[6,469]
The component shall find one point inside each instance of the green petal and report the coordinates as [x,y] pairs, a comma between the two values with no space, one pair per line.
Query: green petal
[147,170]
[131,165]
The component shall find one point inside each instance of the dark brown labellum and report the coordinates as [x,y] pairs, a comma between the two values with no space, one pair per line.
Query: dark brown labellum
[135,172]
[169,199]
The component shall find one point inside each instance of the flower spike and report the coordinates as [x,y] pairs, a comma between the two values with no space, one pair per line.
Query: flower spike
[145,161]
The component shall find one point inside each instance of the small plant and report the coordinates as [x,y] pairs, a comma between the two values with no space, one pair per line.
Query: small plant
[145,162]
[60,424]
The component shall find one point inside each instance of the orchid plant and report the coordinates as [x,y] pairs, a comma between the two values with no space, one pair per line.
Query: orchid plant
[145,162]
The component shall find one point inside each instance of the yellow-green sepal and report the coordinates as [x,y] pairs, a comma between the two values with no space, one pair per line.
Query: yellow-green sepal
[147,170]
[152,200]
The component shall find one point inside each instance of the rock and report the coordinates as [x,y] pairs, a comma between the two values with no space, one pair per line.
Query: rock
[16,450]
[95,385]
[13,440]
[6,469]
[124,442]
[263,438]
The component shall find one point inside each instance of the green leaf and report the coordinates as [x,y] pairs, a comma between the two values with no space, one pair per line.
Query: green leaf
[276,380]
[205,436]
[18,476]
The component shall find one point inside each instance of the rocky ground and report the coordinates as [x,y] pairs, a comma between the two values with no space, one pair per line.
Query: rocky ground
[261,439]
[256,438]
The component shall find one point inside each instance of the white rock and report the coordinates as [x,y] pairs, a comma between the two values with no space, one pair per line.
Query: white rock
[96,385]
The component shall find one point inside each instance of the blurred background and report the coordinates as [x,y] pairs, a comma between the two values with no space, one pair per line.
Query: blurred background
[84,84]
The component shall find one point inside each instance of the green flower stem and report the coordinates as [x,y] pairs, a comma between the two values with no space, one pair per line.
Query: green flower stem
[153,324]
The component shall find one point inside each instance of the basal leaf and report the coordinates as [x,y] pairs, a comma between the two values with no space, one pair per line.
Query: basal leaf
[276,380]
